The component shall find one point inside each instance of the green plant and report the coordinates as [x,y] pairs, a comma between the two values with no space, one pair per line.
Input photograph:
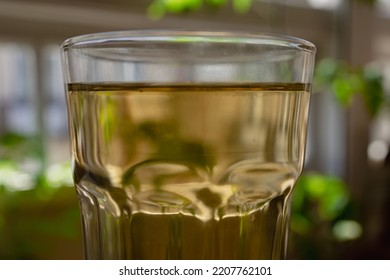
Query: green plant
[158,8]
[39,215]
[346,82]
[323,217]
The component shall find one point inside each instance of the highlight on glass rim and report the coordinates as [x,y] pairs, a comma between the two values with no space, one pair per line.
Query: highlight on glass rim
[194,129]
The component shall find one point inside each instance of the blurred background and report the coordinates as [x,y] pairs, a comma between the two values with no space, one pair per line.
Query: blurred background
[341,205]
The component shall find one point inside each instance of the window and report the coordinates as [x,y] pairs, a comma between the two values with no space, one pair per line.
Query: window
[17,88]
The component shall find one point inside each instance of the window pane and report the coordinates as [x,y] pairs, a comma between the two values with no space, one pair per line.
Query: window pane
[383,6]
[17,88]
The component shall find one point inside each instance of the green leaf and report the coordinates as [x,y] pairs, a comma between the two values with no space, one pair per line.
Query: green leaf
[345,82]
[300,224]
[215,3]
[343,90]
[179,6]
[12,139]
[175,6]
[242,6]
[329,194]
[156,10]
[327,70]
[373,91]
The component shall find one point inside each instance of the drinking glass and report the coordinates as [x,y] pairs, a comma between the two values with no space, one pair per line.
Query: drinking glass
[186,144]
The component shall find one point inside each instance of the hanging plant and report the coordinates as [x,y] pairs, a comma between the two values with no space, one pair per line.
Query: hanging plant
[158,8]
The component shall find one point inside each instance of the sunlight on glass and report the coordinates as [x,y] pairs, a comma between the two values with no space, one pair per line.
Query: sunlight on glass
[14,180]
[384,2]
[377,150]
[384,7]
[59,175]
[324,4]
[346,230]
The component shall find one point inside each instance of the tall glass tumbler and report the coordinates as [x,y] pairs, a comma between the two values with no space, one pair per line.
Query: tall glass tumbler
[186,145]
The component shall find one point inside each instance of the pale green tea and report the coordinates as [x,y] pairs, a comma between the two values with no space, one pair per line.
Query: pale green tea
[187,172]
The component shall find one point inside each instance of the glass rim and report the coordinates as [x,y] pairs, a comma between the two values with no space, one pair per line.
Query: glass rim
[188,36]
